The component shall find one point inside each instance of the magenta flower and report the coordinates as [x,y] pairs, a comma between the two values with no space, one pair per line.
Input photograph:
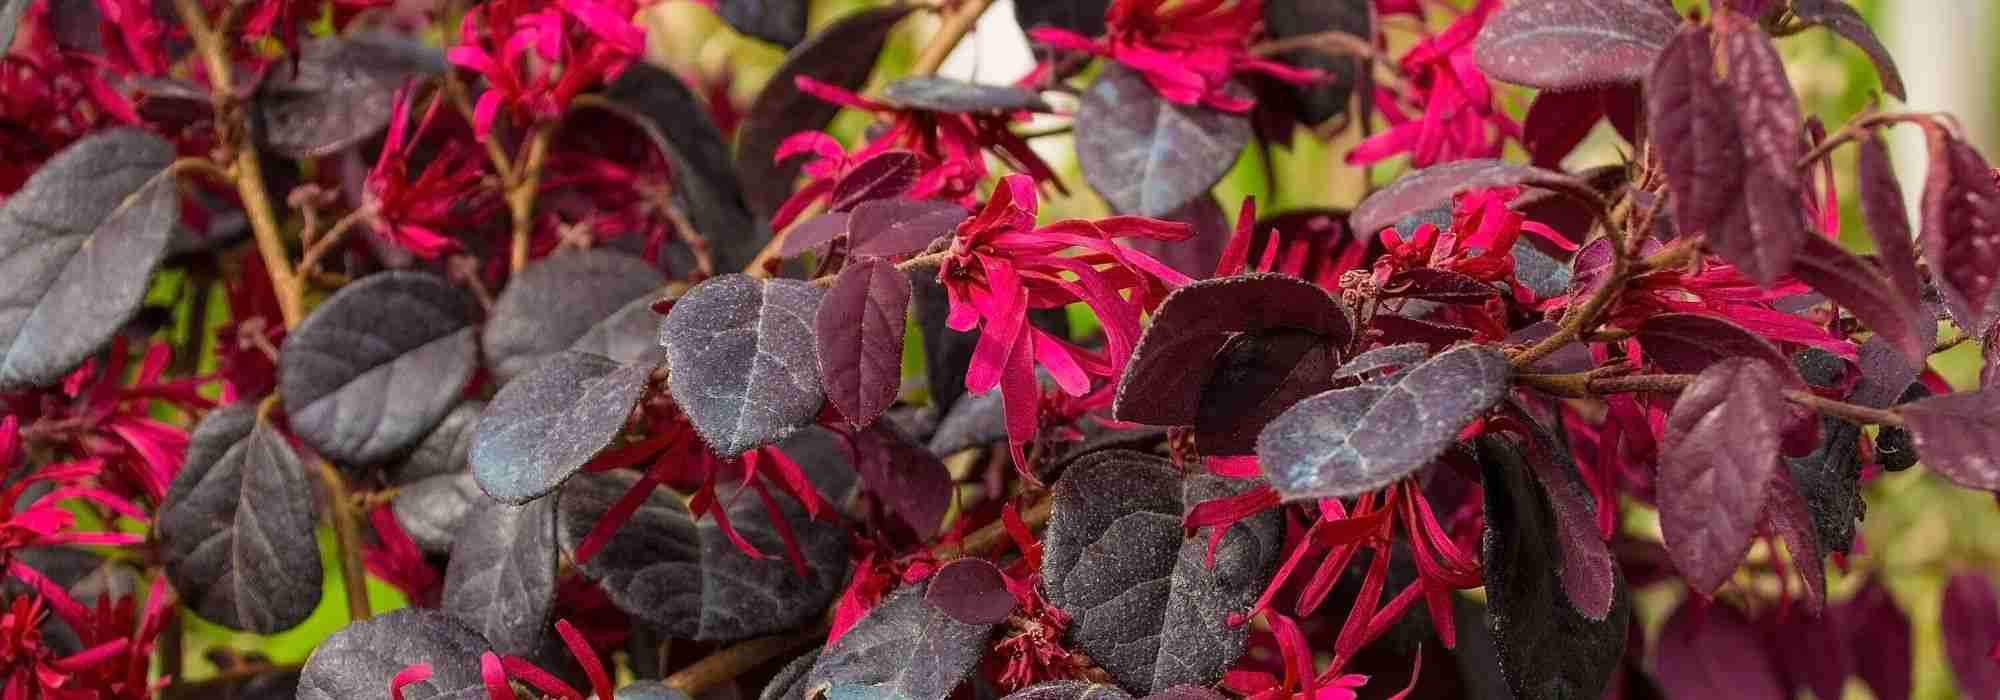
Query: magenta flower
[537,56]
[1458,117]
[1001,265]
[410,211]
[952,147]
[1187,51]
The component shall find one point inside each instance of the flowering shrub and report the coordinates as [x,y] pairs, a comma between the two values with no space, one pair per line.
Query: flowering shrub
[549,353]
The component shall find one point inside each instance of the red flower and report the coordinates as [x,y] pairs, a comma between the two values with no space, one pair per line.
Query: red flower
[537,56]
[952,146]
[496,671]
[1001,265]
[50,98]
[104,421]
[410,212]
[396,560]
[1459,116]
[117,644]
[1187,51]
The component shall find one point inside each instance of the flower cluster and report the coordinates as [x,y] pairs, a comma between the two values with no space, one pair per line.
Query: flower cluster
[1457,116]
[1188,51]
[537,56]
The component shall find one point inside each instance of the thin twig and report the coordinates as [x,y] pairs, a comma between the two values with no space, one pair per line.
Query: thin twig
[521,193]
[1334,43]
[325,243]
[1582,385]
[740,658]
[347,538]
[956,26]
[916,263]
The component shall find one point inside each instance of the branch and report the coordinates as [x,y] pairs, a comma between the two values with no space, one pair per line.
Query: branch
[1583,385]
[1865,123]
[521,192]
[346,538]
[956,26]
[1337,44]
[919,262]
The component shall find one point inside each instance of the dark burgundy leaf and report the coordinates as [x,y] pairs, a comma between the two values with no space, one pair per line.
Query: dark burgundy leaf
[1196,256]
[1589,574]
[1571,44]
[1284,19]
[1143,601]
[1881,634]
[1844,20]
[359,660]
[1557,122]
[903,649]
[781,22]
[1766,109]
[1146,155]
[744,366]
[79,243]
[1688,343]
[444,450]
[1971,628]
[338,92]
[840,54]
[1791,520]
[1547,648]
[502,577]
[935,94]
[687,578]
[1069,690]
[705,186]
[375,367]
[1888,221]
[1958,436]
[1388,357]
[1443,286]
[973,420]
[1436,336]
[1257,377]
[1176,356]
[1717,459]
[1753,9]
[1712,652]
[1694,132]
[554,301]
[1434,186]
[971,591]
[626,335]
[544,426]
[1084,17]
[430,509]
[1961,230]
[859,330]
[892,227]
[884,175]
[1350,441]
[1814,653]
[1865,291]
[788,684]
[814,234]
[236,528]
[1762,233]
[905,477]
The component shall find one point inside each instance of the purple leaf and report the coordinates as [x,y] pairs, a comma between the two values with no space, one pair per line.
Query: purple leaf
[883,176]
[1881,634]
[814,234]
[1958,436]
[842,53]
[1146,155]
[1589,574]
[1767,111]
[705,187]
[1434,186]
[1888,221]
[1353,440]
[1792,522]
[1284,19]
[555,301]
[1547,648]
[859,329]
[972,591]
[1717,459]
[1557,122]
[1764,229]
[1865,291]
[1393,357]
[1084,17]
[1572,44]
[1961,216]
[1257,377]
[1443,286]
[338,92]
[502,575]
[1195,257]
[936,94]
[743,360]
[1688,343]
[1694,132]
[581,397]
[905,476]
[1177,354]
[904,648]
[359,660]
[1404,329]
[1814,652]
[782,22]
[1989,374]
[891,227]
[1712,652]
[1971,627]
[1844,20]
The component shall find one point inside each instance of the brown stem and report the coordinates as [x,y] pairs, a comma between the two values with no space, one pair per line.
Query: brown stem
[1862,124]
[521,193]
[919,262]
[740,658]
[248,171]
[1334,43]
[325,244]
[1581,385]
[956,26]
[347,538]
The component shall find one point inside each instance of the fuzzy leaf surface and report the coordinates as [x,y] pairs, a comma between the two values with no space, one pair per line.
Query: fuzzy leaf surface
[1694,132]
[339,92]
[555,301]
[1958,436]
[542,428]
[1146,155]
[937,94]
[705,186]
[1163,383]
[743,359]
[1572,44]
[903,649]
[1434,186]
[859,330]
[781,22]
[359,660]
[971,591]
[890,227]
[1717,459]
[1961,231]
[502,576]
